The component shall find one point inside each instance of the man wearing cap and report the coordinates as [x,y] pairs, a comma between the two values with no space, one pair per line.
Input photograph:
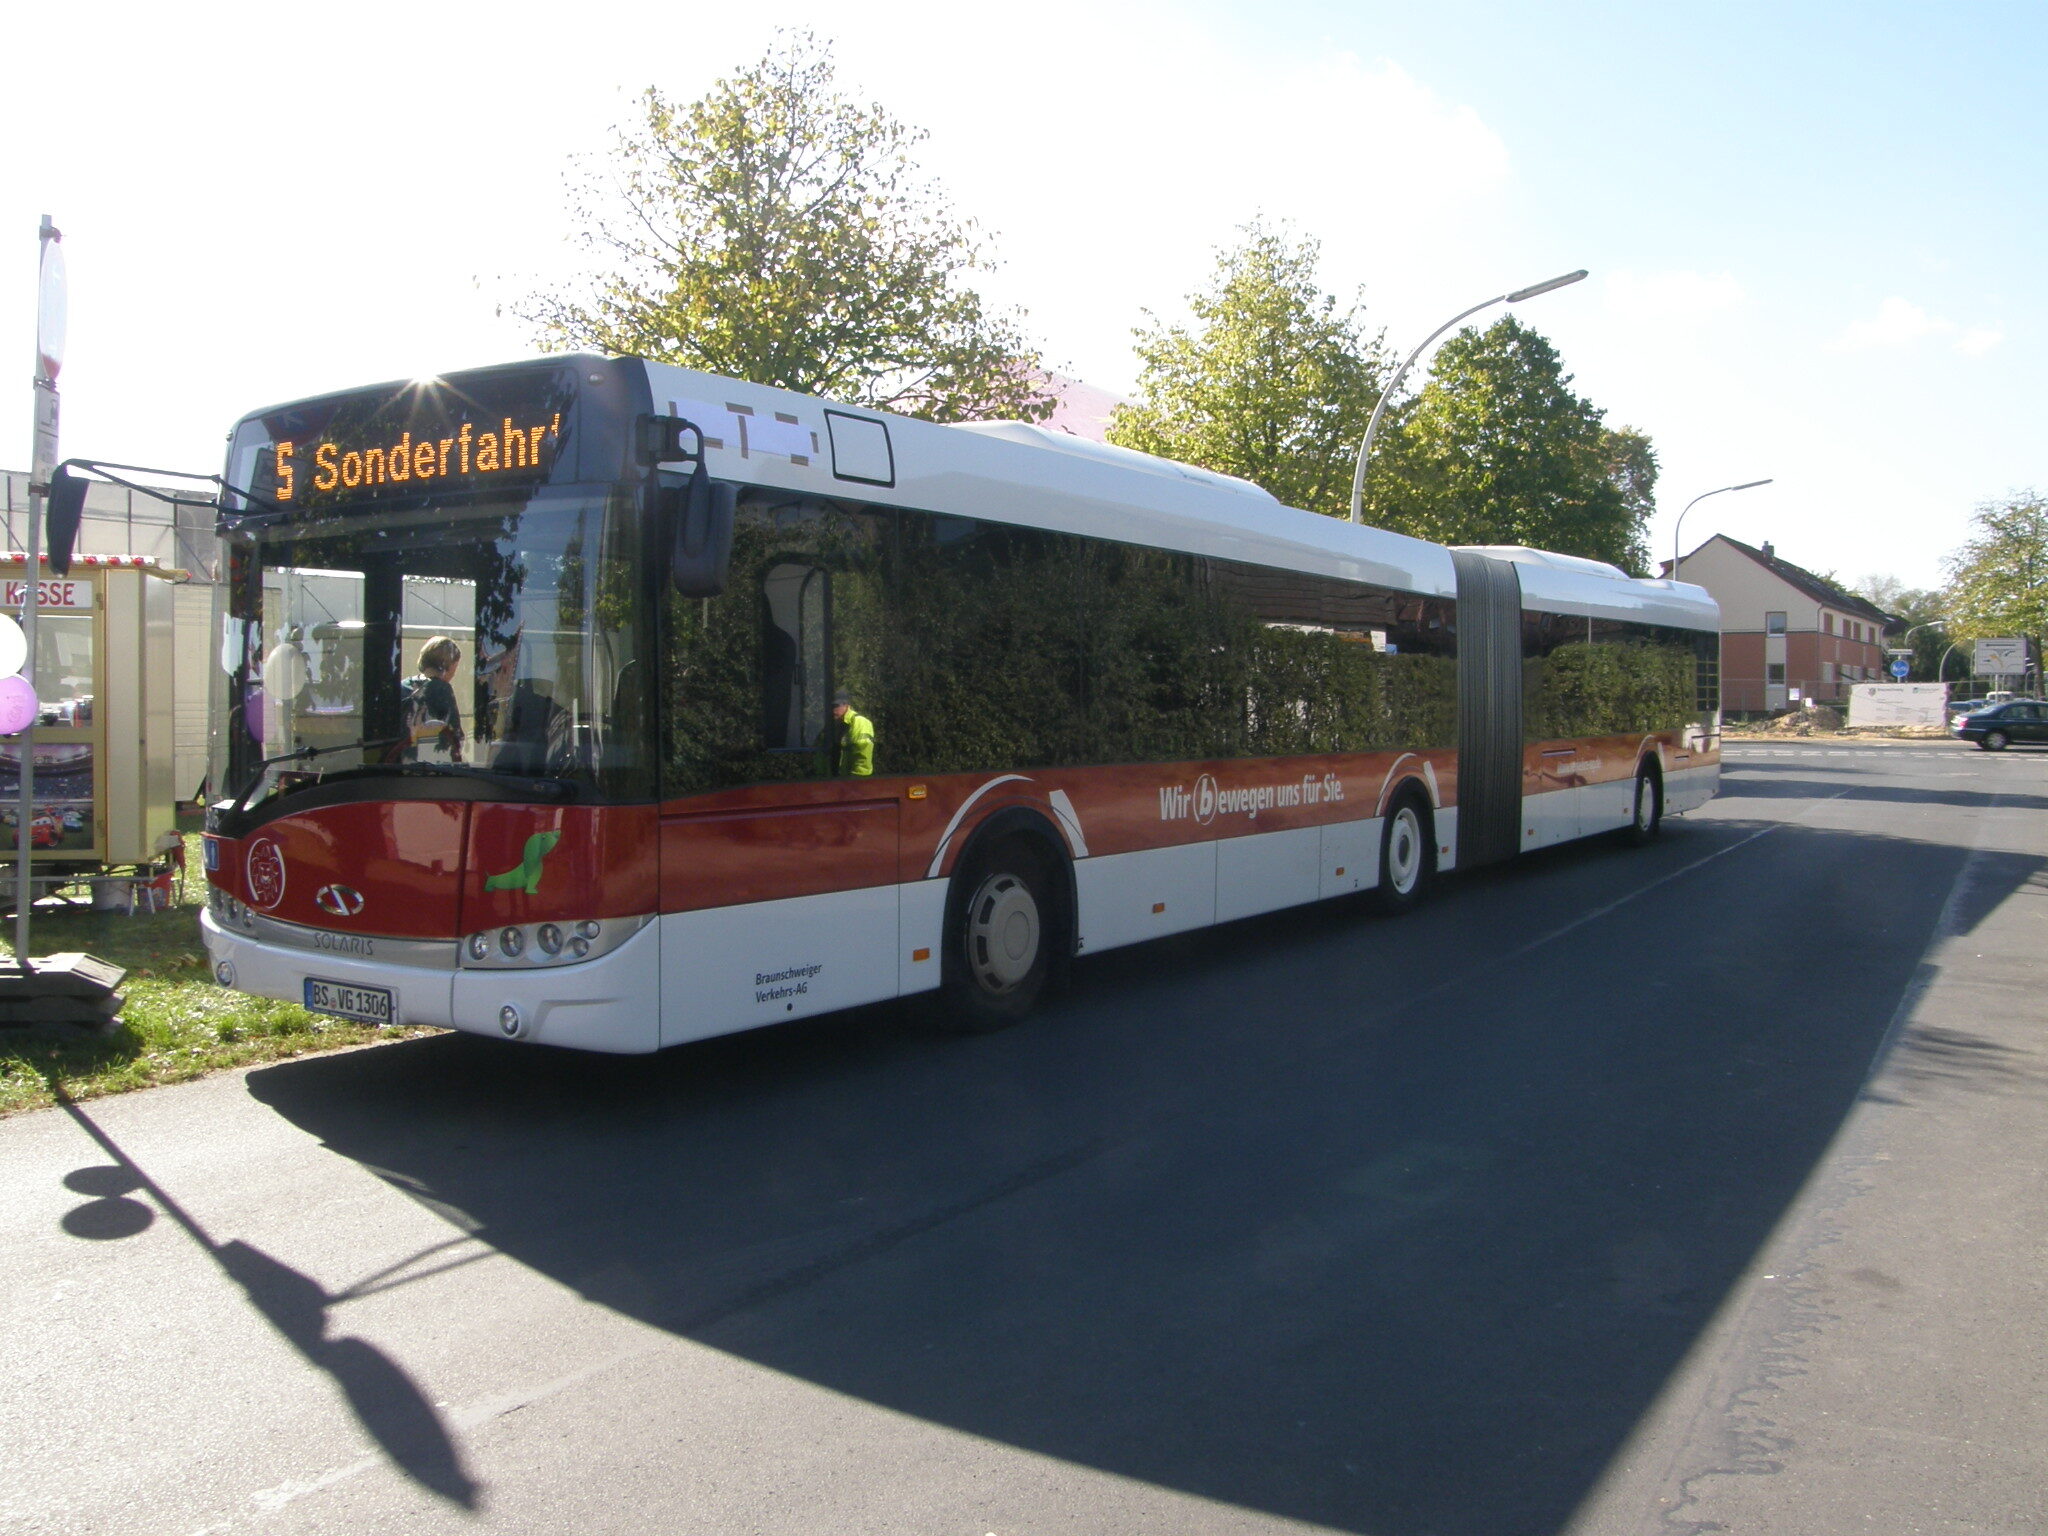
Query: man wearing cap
[856,738]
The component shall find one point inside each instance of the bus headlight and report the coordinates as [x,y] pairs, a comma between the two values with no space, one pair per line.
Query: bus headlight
[229,912]
[554,943]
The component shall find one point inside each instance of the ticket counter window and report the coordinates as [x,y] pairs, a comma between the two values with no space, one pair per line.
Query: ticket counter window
[64,667]
[66,736]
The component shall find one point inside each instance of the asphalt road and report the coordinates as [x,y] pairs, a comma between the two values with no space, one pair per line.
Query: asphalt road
[1697,1187]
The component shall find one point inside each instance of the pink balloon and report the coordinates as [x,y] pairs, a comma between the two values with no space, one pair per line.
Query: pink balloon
[17,705]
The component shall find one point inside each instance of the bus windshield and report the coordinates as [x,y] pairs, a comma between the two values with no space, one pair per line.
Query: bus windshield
[495,635]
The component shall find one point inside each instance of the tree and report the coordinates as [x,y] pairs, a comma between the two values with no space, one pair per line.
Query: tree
[1998,581]
[777,231]
[1497,449]
[1272,383]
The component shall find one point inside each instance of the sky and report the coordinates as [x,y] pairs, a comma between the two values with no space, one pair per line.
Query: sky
[1814,231]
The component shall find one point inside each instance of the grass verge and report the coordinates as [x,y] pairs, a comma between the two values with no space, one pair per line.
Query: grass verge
[175,1023]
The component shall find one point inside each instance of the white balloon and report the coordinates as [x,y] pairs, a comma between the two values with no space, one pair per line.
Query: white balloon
[13,646]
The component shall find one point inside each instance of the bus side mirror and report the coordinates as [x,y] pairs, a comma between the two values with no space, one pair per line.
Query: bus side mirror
[65,509]
[703,512]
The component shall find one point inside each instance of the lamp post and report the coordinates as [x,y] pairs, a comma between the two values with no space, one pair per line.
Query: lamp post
[1941,666]
[1703,495]
[50,326]
[1365,448]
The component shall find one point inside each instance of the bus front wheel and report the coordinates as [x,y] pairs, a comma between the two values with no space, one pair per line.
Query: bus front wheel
[999,950]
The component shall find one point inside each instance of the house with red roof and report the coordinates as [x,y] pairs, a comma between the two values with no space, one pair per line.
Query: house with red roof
[1787,634]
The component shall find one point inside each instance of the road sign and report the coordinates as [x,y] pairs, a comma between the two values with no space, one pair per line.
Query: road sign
[1900,668]
[50,305]
[2000,658]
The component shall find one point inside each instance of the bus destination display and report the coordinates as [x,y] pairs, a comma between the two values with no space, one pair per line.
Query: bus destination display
[465,454]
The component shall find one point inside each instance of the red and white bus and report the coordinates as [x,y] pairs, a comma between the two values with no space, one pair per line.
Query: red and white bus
[1111,698]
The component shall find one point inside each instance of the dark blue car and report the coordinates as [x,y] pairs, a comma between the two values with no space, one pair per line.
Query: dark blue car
[1998,726]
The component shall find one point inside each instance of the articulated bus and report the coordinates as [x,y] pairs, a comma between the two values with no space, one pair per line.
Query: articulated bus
[1110,698]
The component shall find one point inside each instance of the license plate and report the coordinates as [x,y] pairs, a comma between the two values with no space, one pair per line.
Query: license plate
[364,1005]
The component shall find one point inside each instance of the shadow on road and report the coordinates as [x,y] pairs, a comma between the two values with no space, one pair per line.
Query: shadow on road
[1790,782]
[386,1401]
[1342,1220]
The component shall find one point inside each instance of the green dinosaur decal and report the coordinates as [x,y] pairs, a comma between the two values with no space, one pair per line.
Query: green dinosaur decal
[525,875]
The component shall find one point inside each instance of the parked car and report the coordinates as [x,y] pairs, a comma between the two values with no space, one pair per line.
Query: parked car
[1998,726]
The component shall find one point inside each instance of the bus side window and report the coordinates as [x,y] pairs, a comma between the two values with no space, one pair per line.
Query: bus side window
[794,685]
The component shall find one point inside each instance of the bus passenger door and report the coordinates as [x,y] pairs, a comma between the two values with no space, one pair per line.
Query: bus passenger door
[776,911]
[1550,809]
[779,899]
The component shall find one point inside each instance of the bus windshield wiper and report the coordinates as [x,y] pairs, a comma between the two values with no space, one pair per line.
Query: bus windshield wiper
[306,755]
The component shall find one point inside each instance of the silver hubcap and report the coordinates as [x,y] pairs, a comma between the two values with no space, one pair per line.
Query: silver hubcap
[1404,851]
[1002,932]
[1646,804]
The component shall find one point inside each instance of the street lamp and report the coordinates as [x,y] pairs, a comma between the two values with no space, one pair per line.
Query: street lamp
[1703,495]
[1941,666]
[1365,448]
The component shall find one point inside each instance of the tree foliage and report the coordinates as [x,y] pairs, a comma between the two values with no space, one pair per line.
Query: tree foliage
[778,231]
[1272,382]
[1998,581]
[1497,449]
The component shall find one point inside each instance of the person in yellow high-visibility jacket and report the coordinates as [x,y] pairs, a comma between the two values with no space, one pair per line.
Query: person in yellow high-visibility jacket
[856,756]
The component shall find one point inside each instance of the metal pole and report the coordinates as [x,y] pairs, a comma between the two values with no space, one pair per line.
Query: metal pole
[1703,495]
[49,357]
[1365,448]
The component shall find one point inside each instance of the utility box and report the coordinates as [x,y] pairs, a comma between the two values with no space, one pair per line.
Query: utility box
[104,677]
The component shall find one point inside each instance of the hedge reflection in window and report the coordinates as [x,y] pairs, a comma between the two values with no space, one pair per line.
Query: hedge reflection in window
[1609,677]
[975,646]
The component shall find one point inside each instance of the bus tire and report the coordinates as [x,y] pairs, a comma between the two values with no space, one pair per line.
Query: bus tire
[1646,816]
[1407,855]
[1000,937]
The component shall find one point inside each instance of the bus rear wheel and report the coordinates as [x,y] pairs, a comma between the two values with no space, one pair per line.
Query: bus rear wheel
[999,949]
[1407,856]
[1647,816]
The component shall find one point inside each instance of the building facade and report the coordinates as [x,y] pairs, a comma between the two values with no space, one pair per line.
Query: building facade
[1787,635]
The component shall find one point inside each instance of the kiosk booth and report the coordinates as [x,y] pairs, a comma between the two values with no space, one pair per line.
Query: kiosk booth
[105,803]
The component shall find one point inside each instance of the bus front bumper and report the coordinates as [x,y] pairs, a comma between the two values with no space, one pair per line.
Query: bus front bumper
[608,1003]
